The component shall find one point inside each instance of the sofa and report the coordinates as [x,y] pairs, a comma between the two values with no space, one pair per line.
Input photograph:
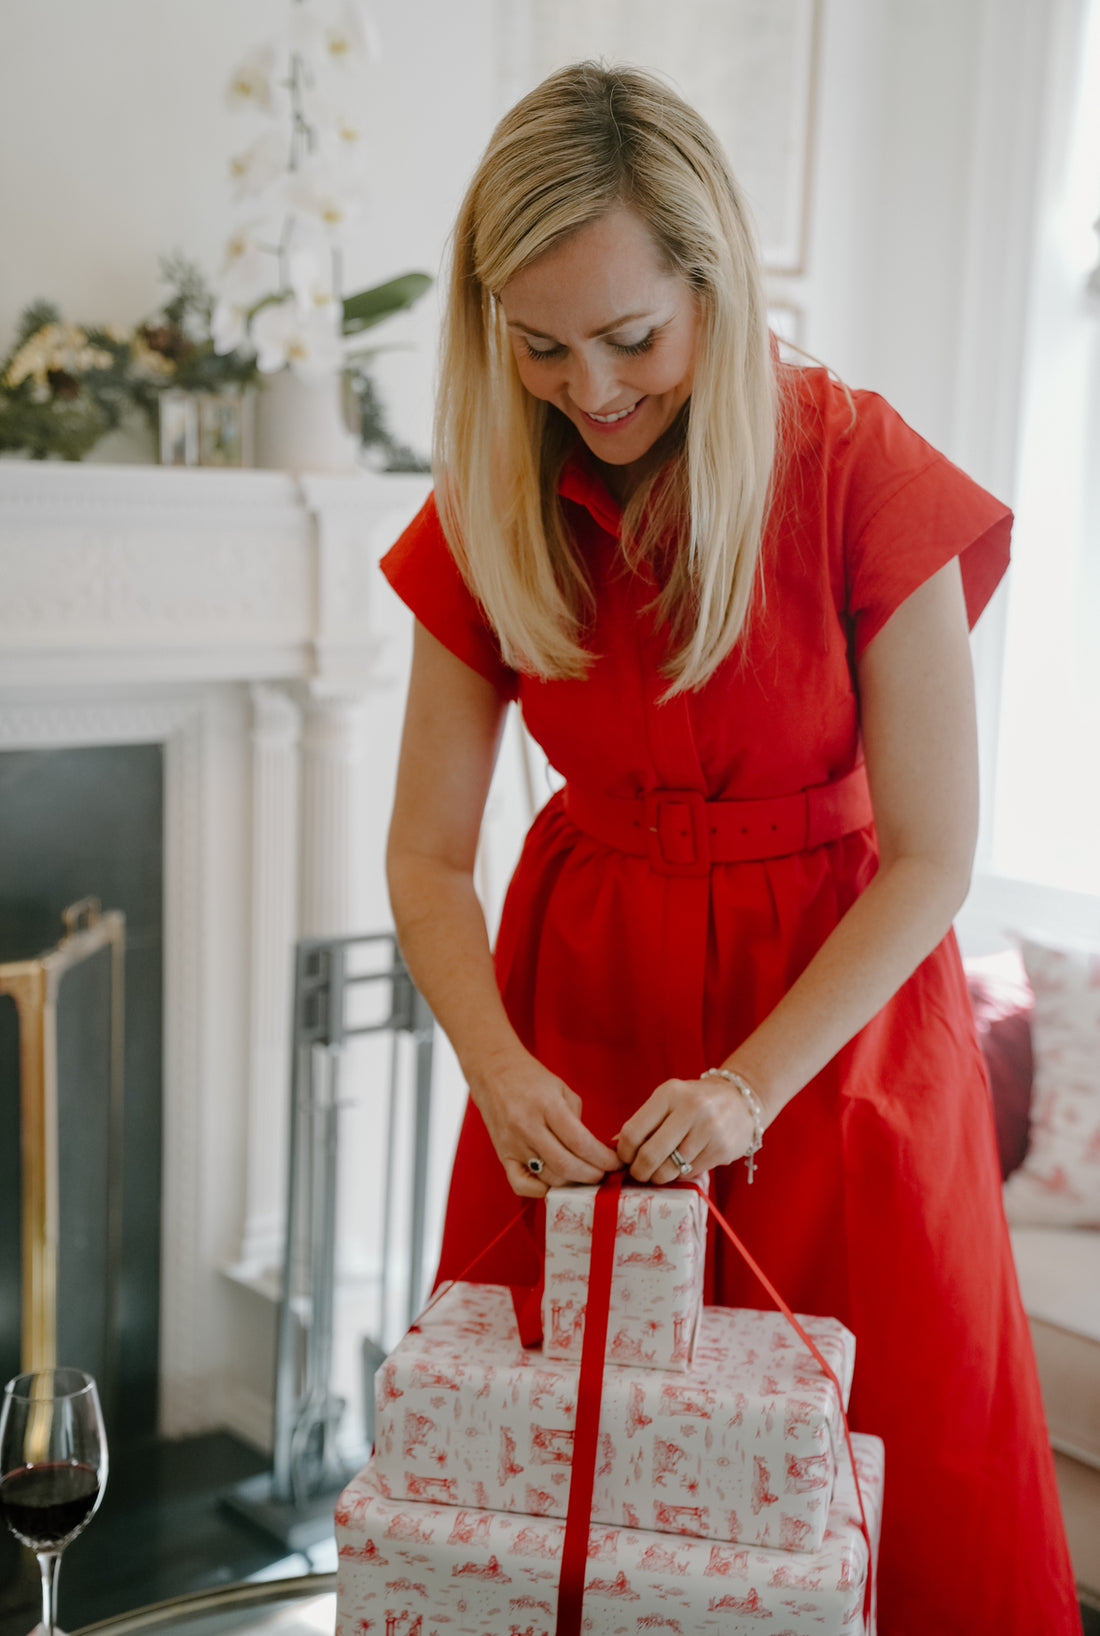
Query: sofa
[1038,1015]
[1059,1270]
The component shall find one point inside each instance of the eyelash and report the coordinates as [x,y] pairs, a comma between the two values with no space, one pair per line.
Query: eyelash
[633,351]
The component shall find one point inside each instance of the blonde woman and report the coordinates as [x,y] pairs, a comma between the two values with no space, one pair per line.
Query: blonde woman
[731,599]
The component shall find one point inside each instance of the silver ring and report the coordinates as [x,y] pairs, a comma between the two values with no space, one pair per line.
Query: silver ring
[536,1166]
[684,1166]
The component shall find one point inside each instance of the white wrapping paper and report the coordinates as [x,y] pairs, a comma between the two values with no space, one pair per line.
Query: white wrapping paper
[657,1287]
[740,1448]
[429,1570]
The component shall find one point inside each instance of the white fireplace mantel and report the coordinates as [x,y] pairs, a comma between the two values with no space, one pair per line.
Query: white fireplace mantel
[238,619]
[147,574]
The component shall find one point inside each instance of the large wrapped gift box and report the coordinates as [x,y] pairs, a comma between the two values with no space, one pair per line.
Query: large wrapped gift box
[439,1571]
[741,1448]
[657,1285]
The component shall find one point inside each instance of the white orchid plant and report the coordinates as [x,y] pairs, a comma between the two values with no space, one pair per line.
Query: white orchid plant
[301,186]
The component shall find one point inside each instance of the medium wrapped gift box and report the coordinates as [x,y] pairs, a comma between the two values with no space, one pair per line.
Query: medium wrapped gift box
[438,1571]
[657,1286]
[740,1448]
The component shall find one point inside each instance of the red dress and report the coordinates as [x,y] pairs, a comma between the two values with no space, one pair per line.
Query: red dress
[877,1197]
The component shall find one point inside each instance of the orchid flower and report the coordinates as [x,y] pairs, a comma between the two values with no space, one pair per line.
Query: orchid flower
[246,273]
[259,166]
[353,37]
[309,342]
[229,326]
[252,85]
[325,191]
[310,275]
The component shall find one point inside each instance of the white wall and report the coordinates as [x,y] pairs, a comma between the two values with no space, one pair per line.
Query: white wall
[892,191]
[921,170]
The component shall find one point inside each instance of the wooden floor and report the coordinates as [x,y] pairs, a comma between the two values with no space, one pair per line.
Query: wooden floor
[161,1531]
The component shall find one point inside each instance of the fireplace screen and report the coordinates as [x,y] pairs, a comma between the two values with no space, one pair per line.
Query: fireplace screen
[61,1282]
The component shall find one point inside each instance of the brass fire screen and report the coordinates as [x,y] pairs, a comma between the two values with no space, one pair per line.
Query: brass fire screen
[38,989]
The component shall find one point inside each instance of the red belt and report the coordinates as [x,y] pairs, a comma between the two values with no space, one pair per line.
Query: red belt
[682,834]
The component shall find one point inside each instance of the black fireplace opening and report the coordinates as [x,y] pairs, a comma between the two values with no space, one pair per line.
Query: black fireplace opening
[78,823]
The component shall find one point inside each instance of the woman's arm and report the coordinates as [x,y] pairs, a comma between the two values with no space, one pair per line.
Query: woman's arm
[453,723]
[920,741]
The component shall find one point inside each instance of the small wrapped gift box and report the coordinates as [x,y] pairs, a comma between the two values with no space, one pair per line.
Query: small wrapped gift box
[742,1447]
[425,1568]
[657,1287]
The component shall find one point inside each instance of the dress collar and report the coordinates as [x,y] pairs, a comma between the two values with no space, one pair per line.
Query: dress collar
[581,483]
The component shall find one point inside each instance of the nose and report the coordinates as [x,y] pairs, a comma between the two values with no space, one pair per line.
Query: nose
[592,382]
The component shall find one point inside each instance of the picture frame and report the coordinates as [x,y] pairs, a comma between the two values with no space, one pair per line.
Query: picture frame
[755,82]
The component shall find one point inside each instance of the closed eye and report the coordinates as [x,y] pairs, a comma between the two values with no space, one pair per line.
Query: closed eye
[634,350]
[542,353]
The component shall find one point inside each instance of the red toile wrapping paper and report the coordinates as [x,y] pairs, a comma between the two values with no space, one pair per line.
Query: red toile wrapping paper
[657,1283]
[419,1569]
[742,1447]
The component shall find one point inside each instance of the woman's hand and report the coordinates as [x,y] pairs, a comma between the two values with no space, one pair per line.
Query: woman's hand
[707,1121]
[532,1114]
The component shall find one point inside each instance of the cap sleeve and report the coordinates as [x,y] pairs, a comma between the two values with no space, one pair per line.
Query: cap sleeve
[908,511]
[423,572]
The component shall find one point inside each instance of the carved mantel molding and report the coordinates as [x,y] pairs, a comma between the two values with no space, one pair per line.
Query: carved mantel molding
[119,574]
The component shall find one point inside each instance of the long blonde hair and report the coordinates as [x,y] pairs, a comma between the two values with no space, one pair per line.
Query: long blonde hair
[585,141]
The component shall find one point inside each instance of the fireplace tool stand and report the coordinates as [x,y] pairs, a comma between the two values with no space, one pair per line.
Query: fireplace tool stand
[294,1502]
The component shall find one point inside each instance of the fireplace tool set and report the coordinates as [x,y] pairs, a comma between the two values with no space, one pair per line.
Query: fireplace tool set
[294,1501]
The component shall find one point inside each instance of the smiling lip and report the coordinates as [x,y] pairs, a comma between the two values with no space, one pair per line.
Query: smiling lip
[613,424]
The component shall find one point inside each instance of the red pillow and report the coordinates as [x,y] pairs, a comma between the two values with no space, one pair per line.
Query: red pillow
[1003,1003]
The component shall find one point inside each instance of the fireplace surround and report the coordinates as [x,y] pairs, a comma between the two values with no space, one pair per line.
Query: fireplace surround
[237,621]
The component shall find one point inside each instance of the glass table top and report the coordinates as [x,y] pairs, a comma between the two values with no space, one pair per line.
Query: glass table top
[304,1606]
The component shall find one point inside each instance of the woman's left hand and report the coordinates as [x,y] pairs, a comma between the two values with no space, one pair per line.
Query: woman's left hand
[706,1121]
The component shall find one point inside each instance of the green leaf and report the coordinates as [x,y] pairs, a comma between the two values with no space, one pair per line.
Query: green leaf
[369,307]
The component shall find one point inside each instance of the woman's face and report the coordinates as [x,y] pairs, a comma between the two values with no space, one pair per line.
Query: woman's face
[603,331]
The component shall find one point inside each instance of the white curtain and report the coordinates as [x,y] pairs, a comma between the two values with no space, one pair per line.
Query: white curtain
[1047,812]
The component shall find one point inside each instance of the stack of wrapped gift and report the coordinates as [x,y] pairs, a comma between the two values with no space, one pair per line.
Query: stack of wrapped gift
[723,1493]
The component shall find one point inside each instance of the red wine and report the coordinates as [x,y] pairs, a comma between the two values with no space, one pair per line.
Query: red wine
[45,1505]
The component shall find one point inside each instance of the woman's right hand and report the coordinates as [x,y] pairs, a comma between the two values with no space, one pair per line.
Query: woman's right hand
[531,1114]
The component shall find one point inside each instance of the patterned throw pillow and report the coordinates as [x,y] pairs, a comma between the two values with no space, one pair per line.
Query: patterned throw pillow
[1058,1184]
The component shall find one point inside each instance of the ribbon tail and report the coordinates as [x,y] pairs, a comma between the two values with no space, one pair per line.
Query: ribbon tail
[527,1305]
[758,1272]
[524,1210]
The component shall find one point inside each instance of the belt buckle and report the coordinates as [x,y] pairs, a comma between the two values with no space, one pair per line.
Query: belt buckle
[677,833]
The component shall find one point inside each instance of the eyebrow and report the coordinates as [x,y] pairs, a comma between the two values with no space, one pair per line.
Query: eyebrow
[593,335]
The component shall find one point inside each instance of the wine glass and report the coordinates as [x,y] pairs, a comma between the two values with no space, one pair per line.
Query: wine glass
[53,1467]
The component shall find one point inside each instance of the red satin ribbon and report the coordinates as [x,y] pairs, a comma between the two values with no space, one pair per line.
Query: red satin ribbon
[597,1312]
[440,1291]
[590,1399]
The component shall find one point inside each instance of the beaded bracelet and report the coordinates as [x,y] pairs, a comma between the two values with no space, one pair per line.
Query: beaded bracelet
[752,1102]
